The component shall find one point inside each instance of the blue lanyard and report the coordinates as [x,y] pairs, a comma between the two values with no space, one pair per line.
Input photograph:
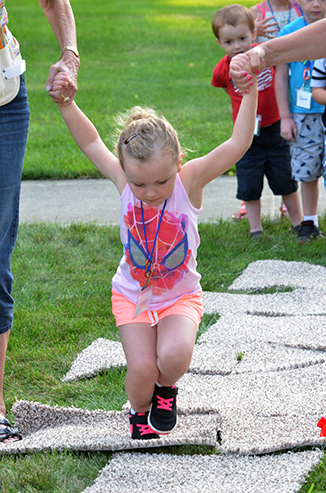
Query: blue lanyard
[307,69]
[148,266]
[272,12]
[308,64]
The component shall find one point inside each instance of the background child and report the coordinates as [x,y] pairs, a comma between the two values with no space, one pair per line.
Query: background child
[272,15]
[156,296]
[301,122]
[318,87]
[269,154]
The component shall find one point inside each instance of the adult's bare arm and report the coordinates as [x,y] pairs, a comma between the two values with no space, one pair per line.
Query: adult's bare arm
[61,18]
[308,43]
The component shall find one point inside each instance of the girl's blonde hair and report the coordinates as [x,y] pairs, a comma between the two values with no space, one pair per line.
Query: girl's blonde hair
[144,132]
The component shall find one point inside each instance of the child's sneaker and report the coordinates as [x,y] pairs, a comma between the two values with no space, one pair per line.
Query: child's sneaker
[163,414]
[139,428]
[241,214]
[307,232]
[283,210]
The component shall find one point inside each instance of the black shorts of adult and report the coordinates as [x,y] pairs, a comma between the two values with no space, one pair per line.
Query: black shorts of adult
[269,155]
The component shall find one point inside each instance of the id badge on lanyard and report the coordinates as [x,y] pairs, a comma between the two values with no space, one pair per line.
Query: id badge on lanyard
[145,296]
[257,125]
[304,97]
[304,94]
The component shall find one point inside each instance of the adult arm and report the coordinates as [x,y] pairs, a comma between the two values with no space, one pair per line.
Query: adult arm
[61,18]
[308,43]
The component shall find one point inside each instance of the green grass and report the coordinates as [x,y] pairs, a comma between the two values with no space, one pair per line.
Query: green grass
[153,53]
[62,291]
[158,54]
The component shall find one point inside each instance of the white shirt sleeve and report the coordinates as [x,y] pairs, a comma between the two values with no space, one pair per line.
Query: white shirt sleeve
[318,76]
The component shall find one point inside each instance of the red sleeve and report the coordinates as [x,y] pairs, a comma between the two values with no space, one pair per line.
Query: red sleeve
[221,76]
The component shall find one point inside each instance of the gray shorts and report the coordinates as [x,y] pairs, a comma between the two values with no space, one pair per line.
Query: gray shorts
[307,151]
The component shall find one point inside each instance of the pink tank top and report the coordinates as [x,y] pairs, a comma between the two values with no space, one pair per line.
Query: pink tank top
[175,252]
[282,17]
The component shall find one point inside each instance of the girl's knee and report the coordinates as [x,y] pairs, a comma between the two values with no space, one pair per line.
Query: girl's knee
[177,357]
[143,370]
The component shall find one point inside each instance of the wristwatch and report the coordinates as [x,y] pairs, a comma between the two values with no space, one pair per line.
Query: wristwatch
[69,48]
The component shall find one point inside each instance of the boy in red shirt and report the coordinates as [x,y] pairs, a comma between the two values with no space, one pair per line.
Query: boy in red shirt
[269,154]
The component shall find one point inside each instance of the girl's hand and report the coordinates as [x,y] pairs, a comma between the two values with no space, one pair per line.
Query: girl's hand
[60,80]
[68,64]
[60,83]
[241,72]
[267,27]
[239,67]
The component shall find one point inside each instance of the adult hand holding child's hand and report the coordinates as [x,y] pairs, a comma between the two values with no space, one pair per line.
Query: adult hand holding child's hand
[241,72]
[243,65]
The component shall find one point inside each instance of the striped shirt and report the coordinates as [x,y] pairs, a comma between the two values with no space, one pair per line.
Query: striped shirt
[11,40]
[318,77]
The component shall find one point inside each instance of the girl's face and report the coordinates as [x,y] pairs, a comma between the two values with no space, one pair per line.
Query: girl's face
[314,10]
[152,181]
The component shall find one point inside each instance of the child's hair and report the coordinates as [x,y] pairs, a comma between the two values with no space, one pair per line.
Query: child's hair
[144,132]
[232,15]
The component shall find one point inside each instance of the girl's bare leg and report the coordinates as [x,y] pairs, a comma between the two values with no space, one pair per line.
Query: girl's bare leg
[161,353]
[176,336]
[139,344]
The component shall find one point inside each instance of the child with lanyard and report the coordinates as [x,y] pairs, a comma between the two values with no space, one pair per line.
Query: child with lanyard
[270,16]
[318,88]
[301,122]
[156,296]
[268,154]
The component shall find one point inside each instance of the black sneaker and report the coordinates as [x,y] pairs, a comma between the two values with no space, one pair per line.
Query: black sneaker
[295,229]
[163,414]
[255,234]
[139,428]
[307,231]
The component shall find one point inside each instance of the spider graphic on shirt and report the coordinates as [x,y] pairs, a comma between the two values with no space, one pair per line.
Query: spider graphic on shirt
[171,253]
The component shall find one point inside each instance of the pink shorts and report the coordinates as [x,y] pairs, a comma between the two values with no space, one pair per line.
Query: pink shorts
[189,305]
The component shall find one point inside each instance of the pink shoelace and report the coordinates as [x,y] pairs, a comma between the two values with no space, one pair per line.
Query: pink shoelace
[165,404]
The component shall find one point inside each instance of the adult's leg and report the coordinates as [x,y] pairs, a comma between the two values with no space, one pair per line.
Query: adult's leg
[14,120]
[3,349]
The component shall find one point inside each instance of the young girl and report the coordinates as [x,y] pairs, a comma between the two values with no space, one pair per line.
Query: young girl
[271,15]
[156,295]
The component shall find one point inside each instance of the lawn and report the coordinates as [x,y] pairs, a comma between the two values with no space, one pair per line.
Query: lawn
[159,54]
[62,293]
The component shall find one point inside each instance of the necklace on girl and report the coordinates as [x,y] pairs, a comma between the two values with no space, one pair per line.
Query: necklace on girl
[145,296]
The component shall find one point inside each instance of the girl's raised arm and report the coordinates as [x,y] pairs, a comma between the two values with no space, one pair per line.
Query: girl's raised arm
[197,173]
[89,141]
